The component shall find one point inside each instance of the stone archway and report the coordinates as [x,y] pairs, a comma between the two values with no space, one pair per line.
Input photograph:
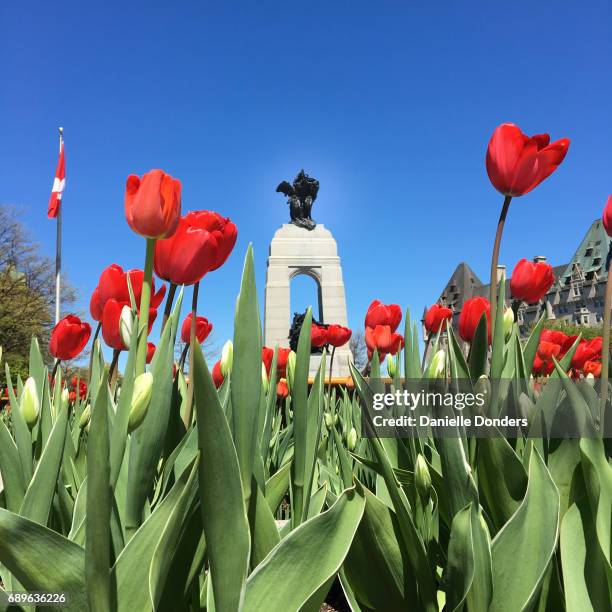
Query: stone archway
[295,251]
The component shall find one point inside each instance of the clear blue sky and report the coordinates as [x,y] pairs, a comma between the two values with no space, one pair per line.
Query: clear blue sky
[389,104]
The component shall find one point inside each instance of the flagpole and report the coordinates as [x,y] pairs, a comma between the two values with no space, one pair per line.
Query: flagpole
[58,248]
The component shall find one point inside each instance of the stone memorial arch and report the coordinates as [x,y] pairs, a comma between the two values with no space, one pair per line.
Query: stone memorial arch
[295,251]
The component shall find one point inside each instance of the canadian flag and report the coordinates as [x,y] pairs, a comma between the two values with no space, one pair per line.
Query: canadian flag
[58,185]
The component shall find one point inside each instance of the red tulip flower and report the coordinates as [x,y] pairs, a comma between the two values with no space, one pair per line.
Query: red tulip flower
[383,340]
[607,217]
[587,351]
[150,352]
[113,284]
[383,314]
[436,317]
[282,389]
[201,244]
[592,367]
[318,336]
[542,367]
[531,281]
[153,204]
[548,350]
[203,329]
[470,316]
[69,337]
[111,324]
[217,375]
[267,355]
[517,163]
[95,305]
[337,335]
[281,361]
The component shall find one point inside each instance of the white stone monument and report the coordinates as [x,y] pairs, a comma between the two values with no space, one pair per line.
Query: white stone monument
[294,251]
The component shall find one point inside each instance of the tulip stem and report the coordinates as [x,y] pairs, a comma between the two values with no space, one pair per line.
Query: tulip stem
[169,302]
[192,340]
[112,370]
[55,366]
[143,308]
[329,386]
[605,351]
[495,259]
[93,346]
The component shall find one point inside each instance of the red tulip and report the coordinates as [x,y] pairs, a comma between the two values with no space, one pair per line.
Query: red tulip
[436,317]
[69,337]
[95,305]
[318,336]
[201,244]
[592,367]
[379,338]
[470,317]
[548,350]
[203,329]
[79,385]
[338,335]
[517,163]
[587,351]
[607,216]
[153,204]
[541,367]
[111,324]
[150,351]
[531,281]
[217,375]
[72,397]
[383,314]
[281,361]
[267,355]
[397,343]
[113,284]
[282,389]
[222,229]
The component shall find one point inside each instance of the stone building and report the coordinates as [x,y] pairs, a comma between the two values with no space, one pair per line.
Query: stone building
[576,296]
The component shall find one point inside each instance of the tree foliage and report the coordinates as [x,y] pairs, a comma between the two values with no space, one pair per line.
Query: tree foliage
[27,292]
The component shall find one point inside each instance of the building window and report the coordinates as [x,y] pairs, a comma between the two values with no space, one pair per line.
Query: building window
[575,290]
[597,261]
[588,252]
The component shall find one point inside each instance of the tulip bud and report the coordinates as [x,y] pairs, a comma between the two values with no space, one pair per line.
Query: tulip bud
[351,439]
[227,358]
[141,398]
[508,322]
[30,404]
[483,386]
[422,478]
[265,383]
[590,379]
[328,420]
[0,354]
[437,365]
[85,416]
[391,366]
[291,361]
[126,323]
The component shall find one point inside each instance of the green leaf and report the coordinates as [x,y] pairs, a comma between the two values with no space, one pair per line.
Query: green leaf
[222,502]
[246,375]
[479,349]
[147,442]
[531,347]
[375,568]
[98,504]
[43,560]
[301,421]
[264,533]
[131,570]
[501,479]
[39,495]
[277,485]
[296,569]
[459,571]
[10,470]
[519,565]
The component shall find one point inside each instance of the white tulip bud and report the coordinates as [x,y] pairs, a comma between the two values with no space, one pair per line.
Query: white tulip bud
[141,398]
[391,366]
[85,416]
[227,358]
[437,365]
[291,361]
[30,404]
[508,322]
[422,478]
[126,324]
[351,439]
[265,383]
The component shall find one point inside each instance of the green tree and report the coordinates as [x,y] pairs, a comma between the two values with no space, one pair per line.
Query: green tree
[27,293]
